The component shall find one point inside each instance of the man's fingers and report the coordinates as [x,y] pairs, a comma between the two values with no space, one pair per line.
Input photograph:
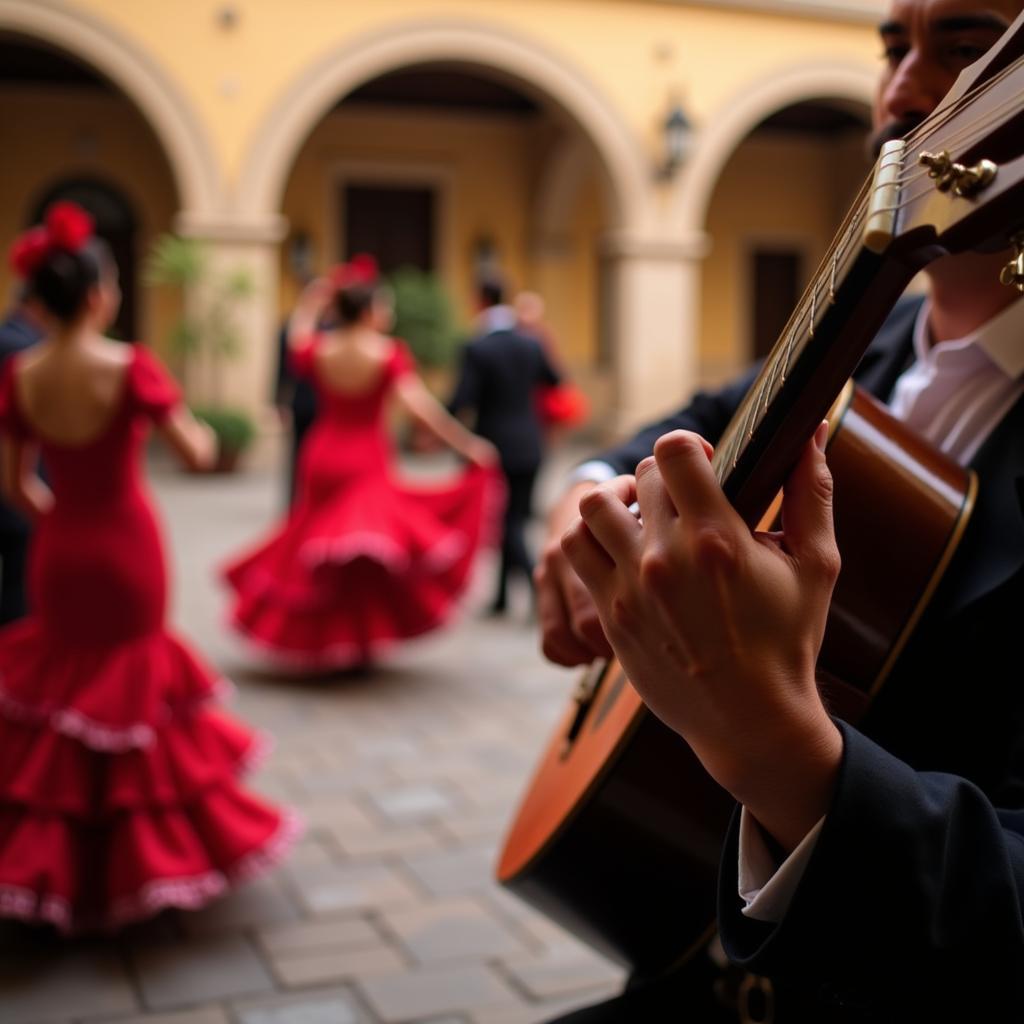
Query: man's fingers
[605,511]
[559,641]
[807,510]
[583,617]
[684,461]
[656,508]
[589,560]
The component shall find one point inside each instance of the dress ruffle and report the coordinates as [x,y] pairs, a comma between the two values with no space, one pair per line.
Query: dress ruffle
[380,564]
[131,689]
[82,879]
[113,809]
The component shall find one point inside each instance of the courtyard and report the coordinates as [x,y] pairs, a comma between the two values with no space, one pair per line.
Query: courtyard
[406,777]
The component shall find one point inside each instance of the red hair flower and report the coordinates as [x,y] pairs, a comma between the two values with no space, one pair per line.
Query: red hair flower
[362,269]
[28,251]
[66,226]
[69,226]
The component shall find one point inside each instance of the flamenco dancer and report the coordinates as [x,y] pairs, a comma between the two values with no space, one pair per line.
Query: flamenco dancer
[364,560]
[118,780]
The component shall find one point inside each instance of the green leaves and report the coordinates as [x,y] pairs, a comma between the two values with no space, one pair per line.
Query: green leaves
[235,430]
[176,262]
[423,316]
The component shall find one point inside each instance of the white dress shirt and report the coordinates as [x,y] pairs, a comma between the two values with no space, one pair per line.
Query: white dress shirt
[955,394]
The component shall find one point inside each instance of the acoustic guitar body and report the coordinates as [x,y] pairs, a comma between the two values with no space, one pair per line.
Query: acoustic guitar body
[619,834]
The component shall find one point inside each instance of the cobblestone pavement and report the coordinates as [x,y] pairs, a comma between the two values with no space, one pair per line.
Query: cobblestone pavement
[386,911]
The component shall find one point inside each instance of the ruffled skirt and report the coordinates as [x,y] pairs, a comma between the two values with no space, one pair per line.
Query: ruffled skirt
[378,564]
[119,791]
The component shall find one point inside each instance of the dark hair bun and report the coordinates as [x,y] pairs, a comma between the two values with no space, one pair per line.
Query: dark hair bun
[63,280]
[353,301]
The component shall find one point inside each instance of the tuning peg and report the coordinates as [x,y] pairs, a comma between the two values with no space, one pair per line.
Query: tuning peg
[1012,275]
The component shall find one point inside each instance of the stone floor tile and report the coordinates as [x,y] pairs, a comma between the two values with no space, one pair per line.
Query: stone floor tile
[335,1006]
[353,887]
[198,1015]
[199,970]
[384,841]
[417,994]
[492,791]
[315,967]
[334,812]
[261,902]
[317,936]
[417,802]
[344,780]
[455,872]
[314,848]
[561,971]
[455,929]
[54,983]
[392,748]
[476,826]
[539,1013]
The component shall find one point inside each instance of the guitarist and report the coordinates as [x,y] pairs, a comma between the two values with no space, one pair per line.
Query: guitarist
[866,884]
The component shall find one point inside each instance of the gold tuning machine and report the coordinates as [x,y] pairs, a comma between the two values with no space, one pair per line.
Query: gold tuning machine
[949,176]
[1012,275]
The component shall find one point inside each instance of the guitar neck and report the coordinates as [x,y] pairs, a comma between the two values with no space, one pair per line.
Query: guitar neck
[864,273]
[847,301]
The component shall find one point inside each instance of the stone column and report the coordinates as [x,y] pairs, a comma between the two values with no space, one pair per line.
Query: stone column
[654,308]
[243,380]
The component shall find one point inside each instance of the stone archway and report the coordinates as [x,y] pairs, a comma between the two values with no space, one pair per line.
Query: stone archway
[646,318]
[141,80]
[725,128]
[275,146]
[773,216]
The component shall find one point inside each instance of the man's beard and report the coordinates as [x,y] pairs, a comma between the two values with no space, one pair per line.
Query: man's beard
[893,130]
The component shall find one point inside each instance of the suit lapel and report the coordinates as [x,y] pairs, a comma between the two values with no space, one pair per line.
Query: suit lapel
[891,352]
[993,547]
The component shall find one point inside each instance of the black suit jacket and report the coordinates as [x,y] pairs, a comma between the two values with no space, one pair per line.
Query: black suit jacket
[913,902]
[16,334]
[500,374]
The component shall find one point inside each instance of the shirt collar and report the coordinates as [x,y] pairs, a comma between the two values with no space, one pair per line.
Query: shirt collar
[497,318]
[1001,338]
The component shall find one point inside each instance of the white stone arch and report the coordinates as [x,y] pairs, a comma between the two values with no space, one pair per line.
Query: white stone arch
[143,82]
[317,89]
[725,128]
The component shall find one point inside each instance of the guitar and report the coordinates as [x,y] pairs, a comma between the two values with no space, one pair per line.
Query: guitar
[619,832]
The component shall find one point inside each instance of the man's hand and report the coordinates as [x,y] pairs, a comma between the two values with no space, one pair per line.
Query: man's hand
[718,628]
[571,632]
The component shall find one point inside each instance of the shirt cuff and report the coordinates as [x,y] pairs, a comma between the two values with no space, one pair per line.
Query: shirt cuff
[767,888]
[595,471]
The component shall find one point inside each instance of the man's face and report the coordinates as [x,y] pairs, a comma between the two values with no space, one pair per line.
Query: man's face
[926,44]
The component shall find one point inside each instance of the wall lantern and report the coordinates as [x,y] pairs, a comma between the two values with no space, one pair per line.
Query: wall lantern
[677,138]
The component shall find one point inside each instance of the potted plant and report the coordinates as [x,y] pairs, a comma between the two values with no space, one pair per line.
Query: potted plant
[424,318]
[206,332]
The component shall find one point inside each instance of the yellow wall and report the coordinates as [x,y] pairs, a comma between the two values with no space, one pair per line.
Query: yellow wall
[486,171]
[775,189]
[625,59]
[50,136]
[482,167]
[635,52]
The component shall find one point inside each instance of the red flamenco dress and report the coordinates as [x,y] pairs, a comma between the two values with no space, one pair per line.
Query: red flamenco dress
[363,560]
[118,779]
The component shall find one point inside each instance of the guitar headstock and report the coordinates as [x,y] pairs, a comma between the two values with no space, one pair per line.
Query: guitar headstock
[959,176]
